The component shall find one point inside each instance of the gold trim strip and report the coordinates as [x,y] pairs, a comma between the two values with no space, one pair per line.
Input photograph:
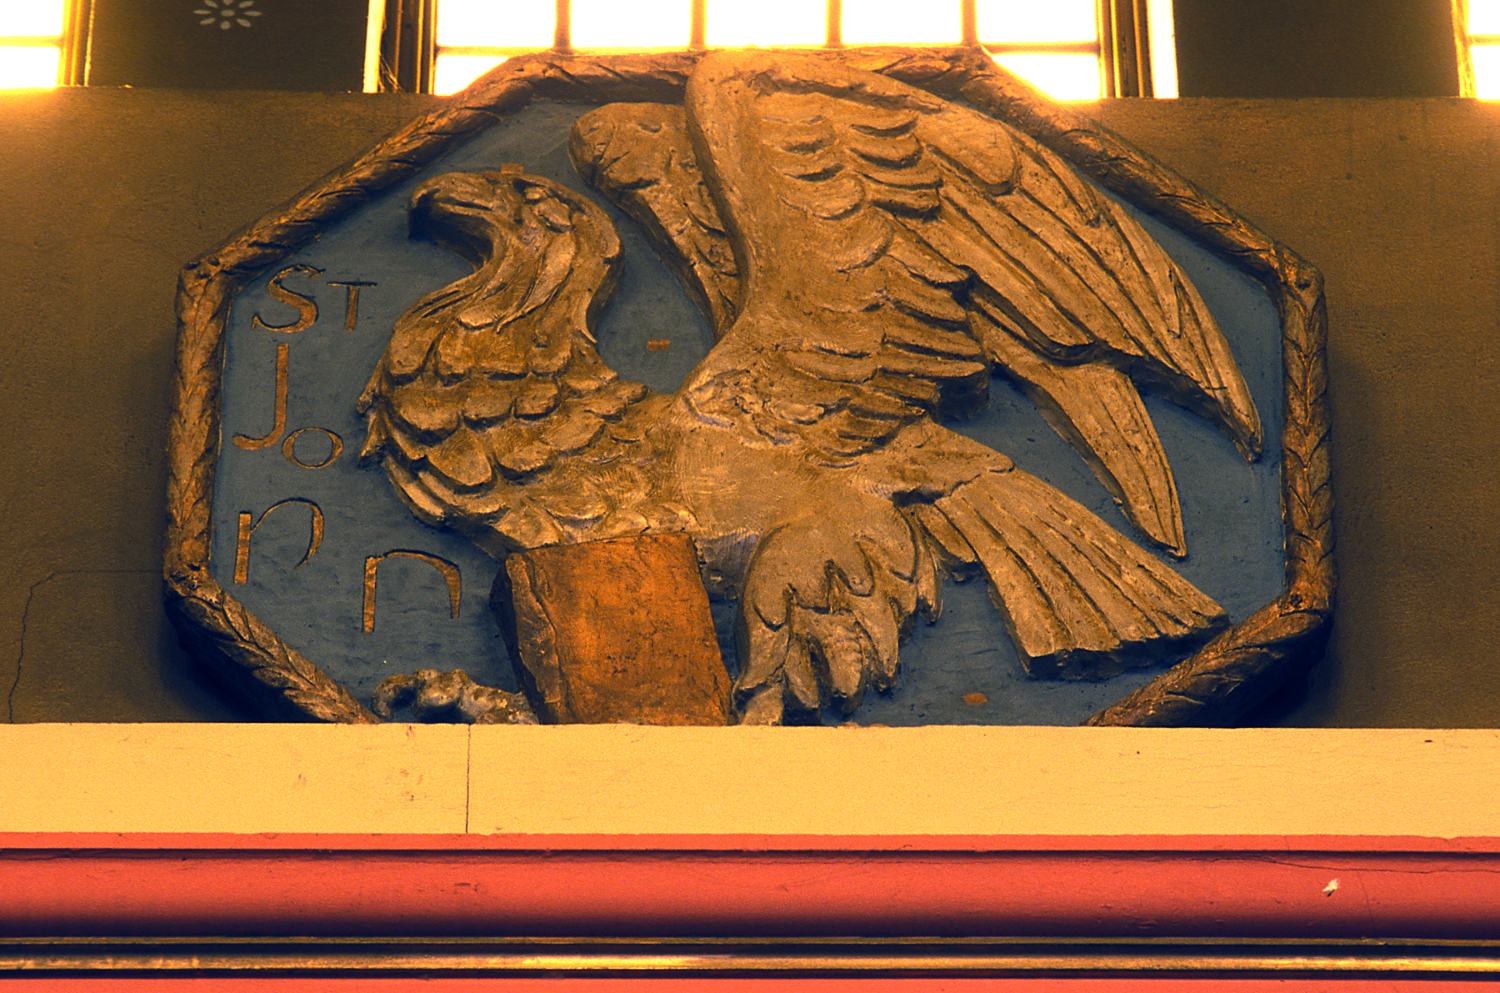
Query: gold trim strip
[863,958]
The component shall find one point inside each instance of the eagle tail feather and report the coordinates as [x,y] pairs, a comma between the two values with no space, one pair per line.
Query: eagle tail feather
[1080,601]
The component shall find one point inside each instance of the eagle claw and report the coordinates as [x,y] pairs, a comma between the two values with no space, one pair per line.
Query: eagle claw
[822,614]
[450,698]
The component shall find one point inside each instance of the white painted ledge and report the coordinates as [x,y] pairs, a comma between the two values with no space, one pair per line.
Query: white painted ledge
[616,779]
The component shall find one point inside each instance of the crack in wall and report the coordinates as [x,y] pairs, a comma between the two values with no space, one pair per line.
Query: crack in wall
[1336,862]
[10,696]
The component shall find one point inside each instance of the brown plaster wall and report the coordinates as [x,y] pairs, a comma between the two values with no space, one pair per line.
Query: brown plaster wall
[1398,202]
[106,193]
[317,47]
[1315,48]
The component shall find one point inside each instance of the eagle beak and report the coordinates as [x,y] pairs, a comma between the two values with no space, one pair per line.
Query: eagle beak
[449,198]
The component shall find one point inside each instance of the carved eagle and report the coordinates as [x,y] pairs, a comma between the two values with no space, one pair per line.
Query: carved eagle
[869,254]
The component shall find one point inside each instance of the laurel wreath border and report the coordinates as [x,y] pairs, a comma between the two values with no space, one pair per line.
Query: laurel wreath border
[1217,686]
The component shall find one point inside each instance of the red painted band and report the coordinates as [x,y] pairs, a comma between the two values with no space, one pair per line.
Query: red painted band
[1451,890]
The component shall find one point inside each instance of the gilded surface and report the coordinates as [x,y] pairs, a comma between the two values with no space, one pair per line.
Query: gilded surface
[614,631]
[867,251]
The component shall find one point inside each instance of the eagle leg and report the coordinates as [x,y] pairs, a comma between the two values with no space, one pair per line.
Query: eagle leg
[826,602]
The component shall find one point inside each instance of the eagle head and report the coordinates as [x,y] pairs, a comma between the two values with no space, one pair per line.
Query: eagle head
[486,381]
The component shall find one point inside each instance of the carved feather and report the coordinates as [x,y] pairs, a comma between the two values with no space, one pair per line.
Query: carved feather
[490,409]
[638,156]
[1060,283]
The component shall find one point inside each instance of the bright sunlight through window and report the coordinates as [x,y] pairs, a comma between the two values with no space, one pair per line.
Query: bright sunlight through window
[1059,75]
[1054,44]
[1484,47]
[639,24]
[30,43]
[730,23]
[1028,21]
[876,22]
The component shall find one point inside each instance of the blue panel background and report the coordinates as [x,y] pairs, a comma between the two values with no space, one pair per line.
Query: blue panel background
[1231,509]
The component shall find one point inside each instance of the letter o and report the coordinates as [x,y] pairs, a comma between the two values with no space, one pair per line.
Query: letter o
[288,448]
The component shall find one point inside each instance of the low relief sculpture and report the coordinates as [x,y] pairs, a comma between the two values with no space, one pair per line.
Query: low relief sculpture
[868,253]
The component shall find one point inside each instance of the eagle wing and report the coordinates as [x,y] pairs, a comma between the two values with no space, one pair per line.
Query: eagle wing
[960,239]
[639,156]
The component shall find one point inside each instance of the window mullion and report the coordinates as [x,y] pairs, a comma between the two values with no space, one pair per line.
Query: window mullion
[78,19]
[1124,55]
[698,24]
[562,36]
[968,21]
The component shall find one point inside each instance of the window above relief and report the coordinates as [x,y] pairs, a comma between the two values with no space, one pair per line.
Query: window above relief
[1481,35]
[1074,49]
[31,43]
[1069,48]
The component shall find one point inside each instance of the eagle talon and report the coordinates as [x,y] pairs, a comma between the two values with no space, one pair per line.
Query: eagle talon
[449,698]
[822,614]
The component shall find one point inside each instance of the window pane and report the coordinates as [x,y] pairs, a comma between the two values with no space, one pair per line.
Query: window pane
[765,22]
[28,67]
[1028,20]
[630,23]
[1163,37]
[876,22]
[34,17]
[1487,72]
[1063,77]
[516,24]
[453,72]
[1484,16]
